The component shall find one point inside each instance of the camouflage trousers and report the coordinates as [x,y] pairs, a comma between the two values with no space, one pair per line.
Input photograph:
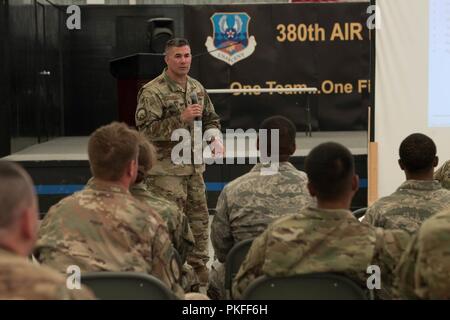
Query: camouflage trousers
[188,192]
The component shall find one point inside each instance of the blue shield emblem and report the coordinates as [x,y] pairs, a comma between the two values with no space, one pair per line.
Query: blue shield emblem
[230,42]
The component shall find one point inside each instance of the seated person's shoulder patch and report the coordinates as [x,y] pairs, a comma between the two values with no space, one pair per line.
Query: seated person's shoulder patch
[141,114]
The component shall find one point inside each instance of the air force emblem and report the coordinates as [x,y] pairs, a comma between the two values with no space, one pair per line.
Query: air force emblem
[230,42]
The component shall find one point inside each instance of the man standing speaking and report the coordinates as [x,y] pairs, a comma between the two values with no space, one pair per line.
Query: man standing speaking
[171,101]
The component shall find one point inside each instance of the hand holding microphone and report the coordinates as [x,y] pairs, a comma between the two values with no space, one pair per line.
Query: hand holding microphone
[194,100]
[193,111]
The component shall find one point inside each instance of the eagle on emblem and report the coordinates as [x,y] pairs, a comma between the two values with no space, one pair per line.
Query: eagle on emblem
[230,26]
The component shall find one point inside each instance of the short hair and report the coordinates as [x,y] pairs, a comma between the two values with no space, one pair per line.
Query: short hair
[110,150]
[146,158]
[16,191]
[330,167]
[417,152]
[175,42]
[287,132]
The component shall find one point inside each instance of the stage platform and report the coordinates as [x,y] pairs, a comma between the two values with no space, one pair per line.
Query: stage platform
[60,167]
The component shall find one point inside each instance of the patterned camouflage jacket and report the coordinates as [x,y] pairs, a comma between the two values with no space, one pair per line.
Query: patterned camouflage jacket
[424,269]
[412,203]
[160,103]
[104,228]
[443,175]
[20,279]
[319,240]
[179,230]
[249,203]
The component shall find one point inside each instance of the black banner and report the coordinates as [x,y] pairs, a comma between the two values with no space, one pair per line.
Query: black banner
[326,46]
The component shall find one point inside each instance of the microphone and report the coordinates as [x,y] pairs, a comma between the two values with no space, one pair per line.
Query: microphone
[194,100]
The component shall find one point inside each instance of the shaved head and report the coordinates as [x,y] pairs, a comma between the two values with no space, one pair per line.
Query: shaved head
[16,192]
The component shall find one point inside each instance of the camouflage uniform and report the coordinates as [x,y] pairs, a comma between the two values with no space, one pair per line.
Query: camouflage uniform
[158,114]
[20,279]
[424,269]
[319,240]
[412,203]
[179,230]
[103,228]
[248,204]
[443,175]
[177,224]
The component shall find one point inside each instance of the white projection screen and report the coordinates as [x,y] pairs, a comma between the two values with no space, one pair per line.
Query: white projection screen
[412,87]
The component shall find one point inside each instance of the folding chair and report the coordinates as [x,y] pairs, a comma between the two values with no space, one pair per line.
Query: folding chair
[233,262]
[126,286]
[359,213]
[313,286]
